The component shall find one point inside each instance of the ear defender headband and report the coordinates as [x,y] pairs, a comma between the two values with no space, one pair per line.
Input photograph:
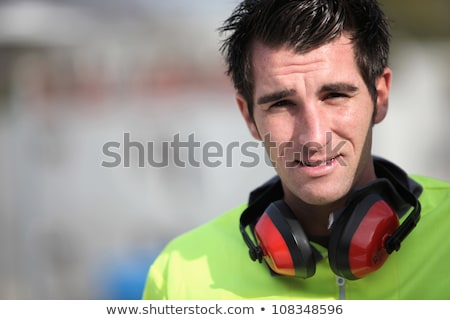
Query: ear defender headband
[363,234]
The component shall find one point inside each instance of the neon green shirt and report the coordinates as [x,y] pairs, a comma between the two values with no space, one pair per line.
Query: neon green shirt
[212,262]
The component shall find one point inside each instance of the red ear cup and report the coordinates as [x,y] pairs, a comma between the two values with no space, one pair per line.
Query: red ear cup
[284,244]
[358,237]
[274,247]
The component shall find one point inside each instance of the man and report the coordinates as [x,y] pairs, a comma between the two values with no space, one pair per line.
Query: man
[312,79]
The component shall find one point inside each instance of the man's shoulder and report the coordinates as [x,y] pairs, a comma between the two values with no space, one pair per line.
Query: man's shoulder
[186,260]
[430,183]
[435,195]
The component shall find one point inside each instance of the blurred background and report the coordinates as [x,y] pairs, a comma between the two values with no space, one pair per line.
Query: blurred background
[78,74]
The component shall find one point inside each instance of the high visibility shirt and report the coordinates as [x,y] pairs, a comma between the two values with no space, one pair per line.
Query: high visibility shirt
[212,262]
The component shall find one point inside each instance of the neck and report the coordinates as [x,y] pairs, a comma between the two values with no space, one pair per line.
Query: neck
[313,219]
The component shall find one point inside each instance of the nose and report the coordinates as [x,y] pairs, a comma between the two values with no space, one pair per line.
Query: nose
[311,128]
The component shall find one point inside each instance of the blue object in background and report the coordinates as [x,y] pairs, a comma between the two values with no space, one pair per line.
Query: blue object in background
[123,277]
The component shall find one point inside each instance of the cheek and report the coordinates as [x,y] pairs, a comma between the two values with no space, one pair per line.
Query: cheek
[355,128]
[277,135]
[279,128]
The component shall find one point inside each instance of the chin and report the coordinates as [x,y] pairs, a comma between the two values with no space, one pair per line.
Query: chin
[322,195]
[319,200]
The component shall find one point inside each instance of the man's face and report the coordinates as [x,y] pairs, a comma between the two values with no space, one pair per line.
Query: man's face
[315,115]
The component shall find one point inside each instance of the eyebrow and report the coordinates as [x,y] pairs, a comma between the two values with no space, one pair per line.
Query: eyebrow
[275,96]
[339,87]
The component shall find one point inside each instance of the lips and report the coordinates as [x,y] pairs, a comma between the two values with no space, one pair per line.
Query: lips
[316,163]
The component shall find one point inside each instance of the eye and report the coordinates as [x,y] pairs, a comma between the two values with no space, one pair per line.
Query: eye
[282,103]
[335,95]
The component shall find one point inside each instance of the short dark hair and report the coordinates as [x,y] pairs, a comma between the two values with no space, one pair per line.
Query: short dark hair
[304,25]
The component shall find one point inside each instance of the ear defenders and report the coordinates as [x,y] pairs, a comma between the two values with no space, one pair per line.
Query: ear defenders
[362,234]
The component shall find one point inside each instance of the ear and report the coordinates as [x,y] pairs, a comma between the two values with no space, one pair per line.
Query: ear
[243,107]
[383,86]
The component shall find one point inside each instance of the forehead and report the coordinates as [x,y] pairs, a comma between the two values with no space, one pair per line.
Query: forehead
[339,51]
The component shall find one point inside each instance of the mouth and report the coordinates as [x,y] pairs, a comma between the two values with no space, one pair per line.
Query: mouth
[317,163]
